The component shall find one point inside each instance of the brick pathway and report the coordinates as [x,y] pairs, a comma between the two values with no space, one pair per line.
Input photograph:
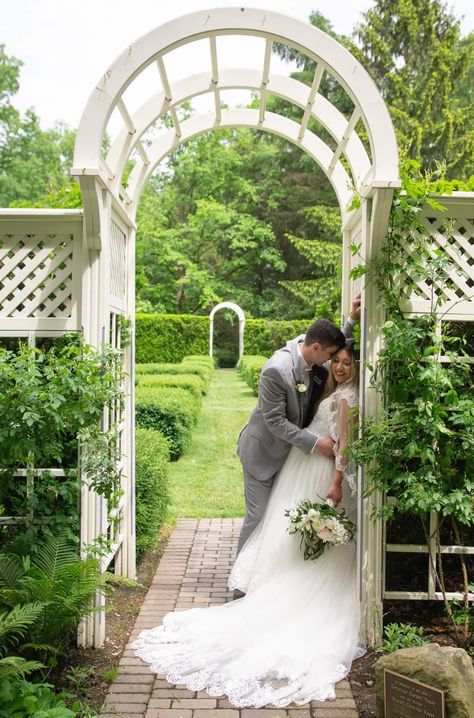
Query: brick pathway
[193,572]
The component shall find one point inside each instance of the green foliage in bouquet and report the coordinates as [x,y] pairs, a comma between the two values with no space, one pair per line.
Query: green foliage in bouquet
[320,526]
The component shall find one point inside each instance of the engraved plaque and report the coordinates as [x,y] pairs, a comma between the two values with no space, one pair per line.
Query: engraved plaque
[406,698]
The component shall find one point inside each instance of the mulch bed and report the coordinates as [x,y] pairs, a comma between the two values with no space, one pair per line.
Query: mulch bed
[429,614]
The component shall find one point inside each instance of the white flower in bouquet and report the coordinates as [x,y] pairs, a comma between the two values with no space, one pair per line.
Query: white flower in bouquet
[320,525]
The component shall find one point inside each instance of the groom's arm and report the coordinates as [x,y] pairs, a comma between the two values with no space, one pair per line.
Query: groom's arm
[353,317]
[273,401]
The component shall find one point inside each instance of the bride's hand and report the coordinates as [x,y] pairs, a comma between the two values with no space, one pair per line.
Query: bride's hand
[335,494]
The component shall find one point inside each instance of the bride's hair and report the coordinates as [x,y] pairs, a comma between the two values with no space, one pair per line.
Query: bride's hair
[331,383]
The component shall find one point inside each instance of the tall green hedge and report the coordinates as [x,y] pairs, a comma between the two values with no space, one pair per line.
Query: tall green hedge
[174,412]
[151,485]
[264,336]
[250,367]
[169,337]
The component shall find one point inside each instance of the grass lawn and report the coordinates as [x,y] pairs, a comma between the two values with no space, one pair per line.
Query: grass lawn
[207,479]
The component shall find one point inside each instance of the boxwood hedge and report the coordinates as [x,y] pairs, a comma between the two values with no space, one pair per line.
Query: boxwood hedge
[250,367]
[151,488]
[172,411]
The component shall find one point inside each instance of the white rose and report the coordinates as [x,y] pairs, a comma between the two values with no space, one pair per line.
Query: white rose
[301,388]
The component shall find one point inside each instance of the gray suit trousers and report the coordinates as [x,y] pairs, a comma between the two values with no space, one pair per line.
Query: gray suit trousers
[257,493]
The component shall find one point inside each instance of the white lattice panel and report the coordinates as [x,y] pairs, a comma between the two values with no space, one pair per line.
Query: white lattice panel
[36,275]
[41,269]
[118,262]
[454,294]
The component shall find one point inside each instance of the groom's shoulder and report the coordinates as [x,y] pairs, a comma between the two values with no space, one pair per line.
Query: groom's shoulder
[283,357]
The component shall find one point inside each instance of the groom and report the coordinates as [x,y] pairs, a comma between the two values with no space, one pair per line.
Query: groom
[291,382]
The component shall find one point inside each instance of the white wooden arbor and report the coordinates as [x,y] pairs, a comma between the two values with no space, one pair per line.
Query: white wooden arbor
[348,164]
[241,317]
[94,249]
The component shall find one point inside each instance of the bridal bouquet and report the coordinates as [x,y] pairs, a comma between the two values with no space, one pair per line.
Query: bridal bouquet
[320,526]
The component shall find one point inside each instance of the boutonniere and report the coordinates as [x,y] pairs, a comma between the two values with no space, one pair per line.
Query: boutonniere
[301,387]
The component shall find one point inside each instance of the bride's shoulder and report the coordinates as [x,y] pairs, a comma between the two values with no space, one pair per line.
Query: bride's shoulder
[347,392]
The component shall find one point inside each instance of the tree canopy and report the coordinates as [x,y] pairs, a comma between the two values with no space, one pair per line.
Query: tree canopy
[241,215]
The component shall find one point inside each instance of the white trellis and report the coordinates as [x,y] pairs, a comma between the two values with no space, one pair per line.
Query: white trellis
[94,250]
[241,317]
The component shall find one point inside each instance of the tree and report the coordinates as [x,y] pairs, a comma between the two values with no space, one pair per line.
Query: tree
[216,225]
[422,66]
[33,162]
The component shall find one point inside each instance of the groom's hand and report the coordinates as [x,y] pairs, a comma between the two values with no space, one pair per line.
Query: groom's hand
[325,447]
[355,311]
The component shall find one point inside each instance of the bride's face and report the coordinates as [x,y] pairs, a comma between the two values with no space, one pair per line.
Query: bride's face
[341,366]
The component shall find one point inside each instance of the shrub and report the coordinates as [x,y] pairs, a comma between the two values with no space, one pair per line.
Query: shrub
[191,382]
[225,358]
[151,476]
[168,337]
[250,368]
[187,367]
[23,699]
[173,412]
[203,359]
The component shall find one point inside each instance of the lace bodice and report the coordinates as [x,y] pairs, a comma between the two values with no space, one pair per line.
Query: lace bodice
[333,419]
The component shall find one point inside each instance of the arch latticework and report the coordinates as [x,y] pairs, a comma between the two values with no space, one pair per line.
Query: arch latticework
[346,162]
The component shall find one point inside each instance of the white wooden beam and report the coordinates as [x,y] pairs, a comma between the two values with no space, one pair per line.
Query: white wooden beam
[318,75]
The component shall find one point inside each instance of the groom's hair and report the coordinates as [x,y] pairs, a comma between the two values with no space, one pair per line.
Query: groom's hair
[325,333]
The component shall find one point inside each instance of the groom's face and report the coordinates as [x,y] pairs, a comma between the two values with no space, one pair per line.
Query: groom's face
[320,354]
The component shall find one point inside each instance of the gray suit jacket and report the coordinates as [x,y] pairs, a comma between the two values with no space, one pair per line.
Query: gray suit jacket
[276,423]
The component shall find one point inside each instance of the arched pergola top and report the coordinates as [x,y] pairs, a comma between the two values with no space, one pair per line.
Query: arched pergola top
[228,305]
[378,168]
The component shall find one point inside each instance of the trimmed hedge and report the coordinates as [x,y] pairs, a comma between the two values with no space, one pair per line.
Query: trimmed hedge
[173,412]
[187,367]
[250,367]
[265,336]
[204,359]
[191,382]
[168,337]
[152,454]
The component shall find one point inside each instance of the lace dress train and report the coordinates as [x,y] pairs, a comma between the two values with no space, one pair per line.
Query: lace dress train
[295,634]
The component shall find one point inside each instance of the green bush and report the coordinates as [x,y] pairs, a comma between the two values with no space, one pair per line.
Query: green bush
[191,382]
[263,336]
[151,481]
[173,412]
[169,337]
[250,368]
[187,367]
[226,359]
[204,359]
[22,699]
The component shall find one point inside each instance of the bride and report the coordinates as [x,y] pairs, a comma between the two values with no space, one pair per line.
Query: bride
[296,632]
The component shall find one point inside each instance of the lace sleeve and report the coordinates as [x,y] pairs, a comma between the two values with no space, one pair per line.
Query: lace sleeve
[341,422]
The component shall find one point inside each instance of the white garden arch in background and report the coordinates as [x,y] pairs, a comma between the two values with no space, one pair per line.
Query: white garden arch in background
[75,270]
[241,316]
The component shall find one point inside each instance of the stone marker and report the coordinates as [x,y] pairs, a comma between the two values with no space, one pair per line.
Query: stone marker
[443,667]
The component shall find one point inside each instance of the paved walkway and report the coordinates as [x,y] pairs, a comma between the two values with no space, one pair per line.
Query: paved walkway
[193,572]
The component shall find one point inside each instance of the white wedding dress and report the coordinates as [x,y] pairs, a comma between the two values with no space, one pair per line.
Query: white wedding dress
[296,632]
